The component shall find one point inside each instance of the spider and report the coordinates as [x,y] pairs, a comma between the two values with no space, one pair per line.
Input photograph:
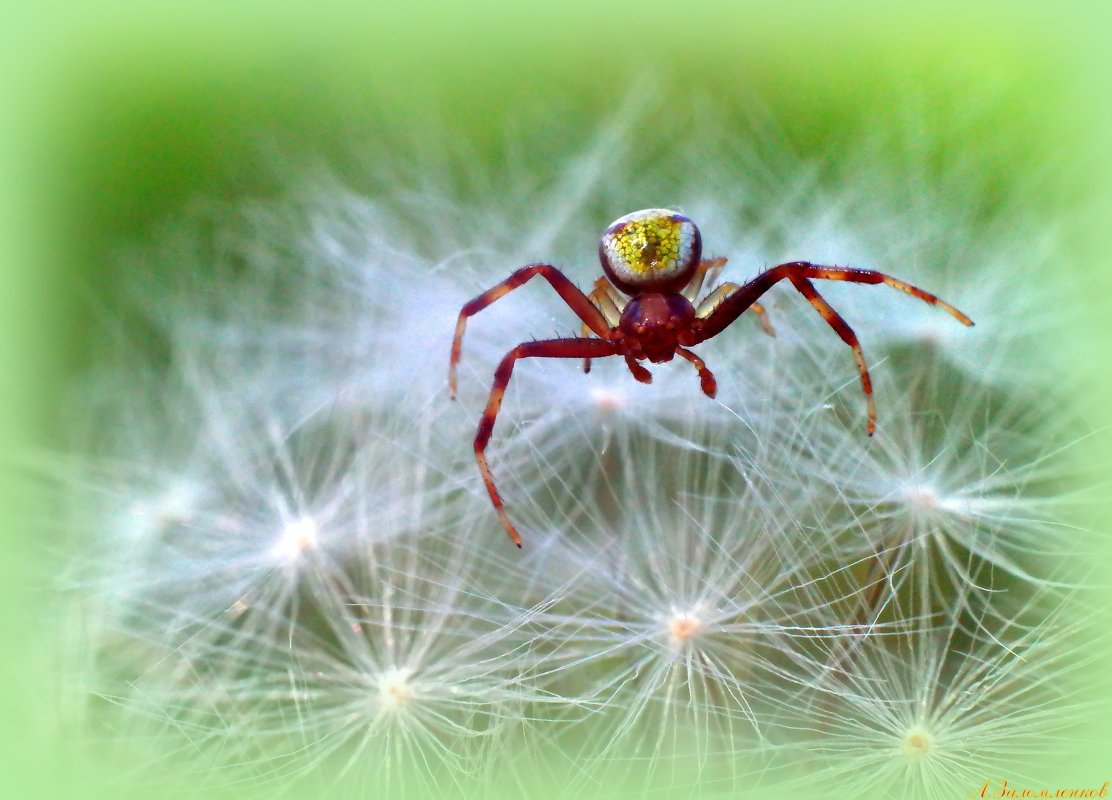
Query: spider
[654,257]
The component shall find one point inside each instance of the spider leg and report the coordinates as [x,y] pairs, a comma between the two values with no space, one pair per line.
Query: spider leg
[639,372]
[733,306]
[576,300]
[835,321]
[706,377]
[799,273]
[617,298]
[610,303]
[766,323]
[715,298]
[549,348]
[708,268]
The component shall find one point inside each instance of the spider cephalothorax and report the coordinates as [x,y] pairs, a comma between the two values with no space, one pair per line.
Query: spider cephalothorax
[654,256]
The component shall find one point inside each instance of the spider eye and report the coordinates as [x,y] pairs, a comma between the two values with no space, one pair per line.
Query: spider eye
[654,249]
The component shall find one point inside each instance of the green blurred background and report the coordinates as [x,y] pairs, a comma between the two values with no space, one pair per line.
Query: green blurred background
[116,116]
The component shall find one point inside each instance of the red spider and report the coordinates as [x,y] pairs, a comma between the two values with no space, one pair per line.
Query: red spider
[654,257]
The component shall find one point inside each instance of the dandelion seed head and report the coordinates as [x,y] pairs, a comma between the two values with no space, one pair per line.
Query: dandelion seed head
[323,583]
[922,495]
[921,713]
[297,537]
[395,690]
[918,743]
[927,499]
[685,626]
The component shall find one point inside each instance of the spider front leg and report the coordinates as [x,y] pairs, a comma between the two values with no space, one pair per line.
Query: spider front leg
[842,328]
[639,372]
[549,348]
[800,273]
[576,300]
[706,377]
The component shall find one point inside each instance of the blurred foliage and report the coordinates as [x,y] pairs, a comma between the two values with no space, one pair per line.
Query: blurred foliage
[142,115]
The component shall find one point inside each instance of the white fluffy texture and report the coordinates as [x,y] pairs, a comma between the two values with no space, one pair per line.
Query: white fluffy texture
[292,573]
[937,710]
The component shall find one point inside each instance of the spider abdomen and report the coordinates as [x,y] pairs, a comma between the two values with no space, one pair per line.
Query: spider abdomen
[654,250]
[653,323]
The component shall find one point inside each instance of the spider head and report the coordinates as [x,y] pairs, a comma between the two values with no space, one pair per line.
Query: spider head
[654,250]
[654,322]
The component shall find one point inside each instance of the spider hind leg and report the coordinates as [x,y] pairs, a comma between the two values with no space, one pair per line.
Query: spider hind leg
[548,348]
[610,302]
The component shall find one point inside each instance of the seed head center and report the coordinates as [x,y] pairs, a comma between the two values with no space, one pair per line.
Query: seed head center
[917,744]
[923,496]
[394,689]
[297,537]
[684,628]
